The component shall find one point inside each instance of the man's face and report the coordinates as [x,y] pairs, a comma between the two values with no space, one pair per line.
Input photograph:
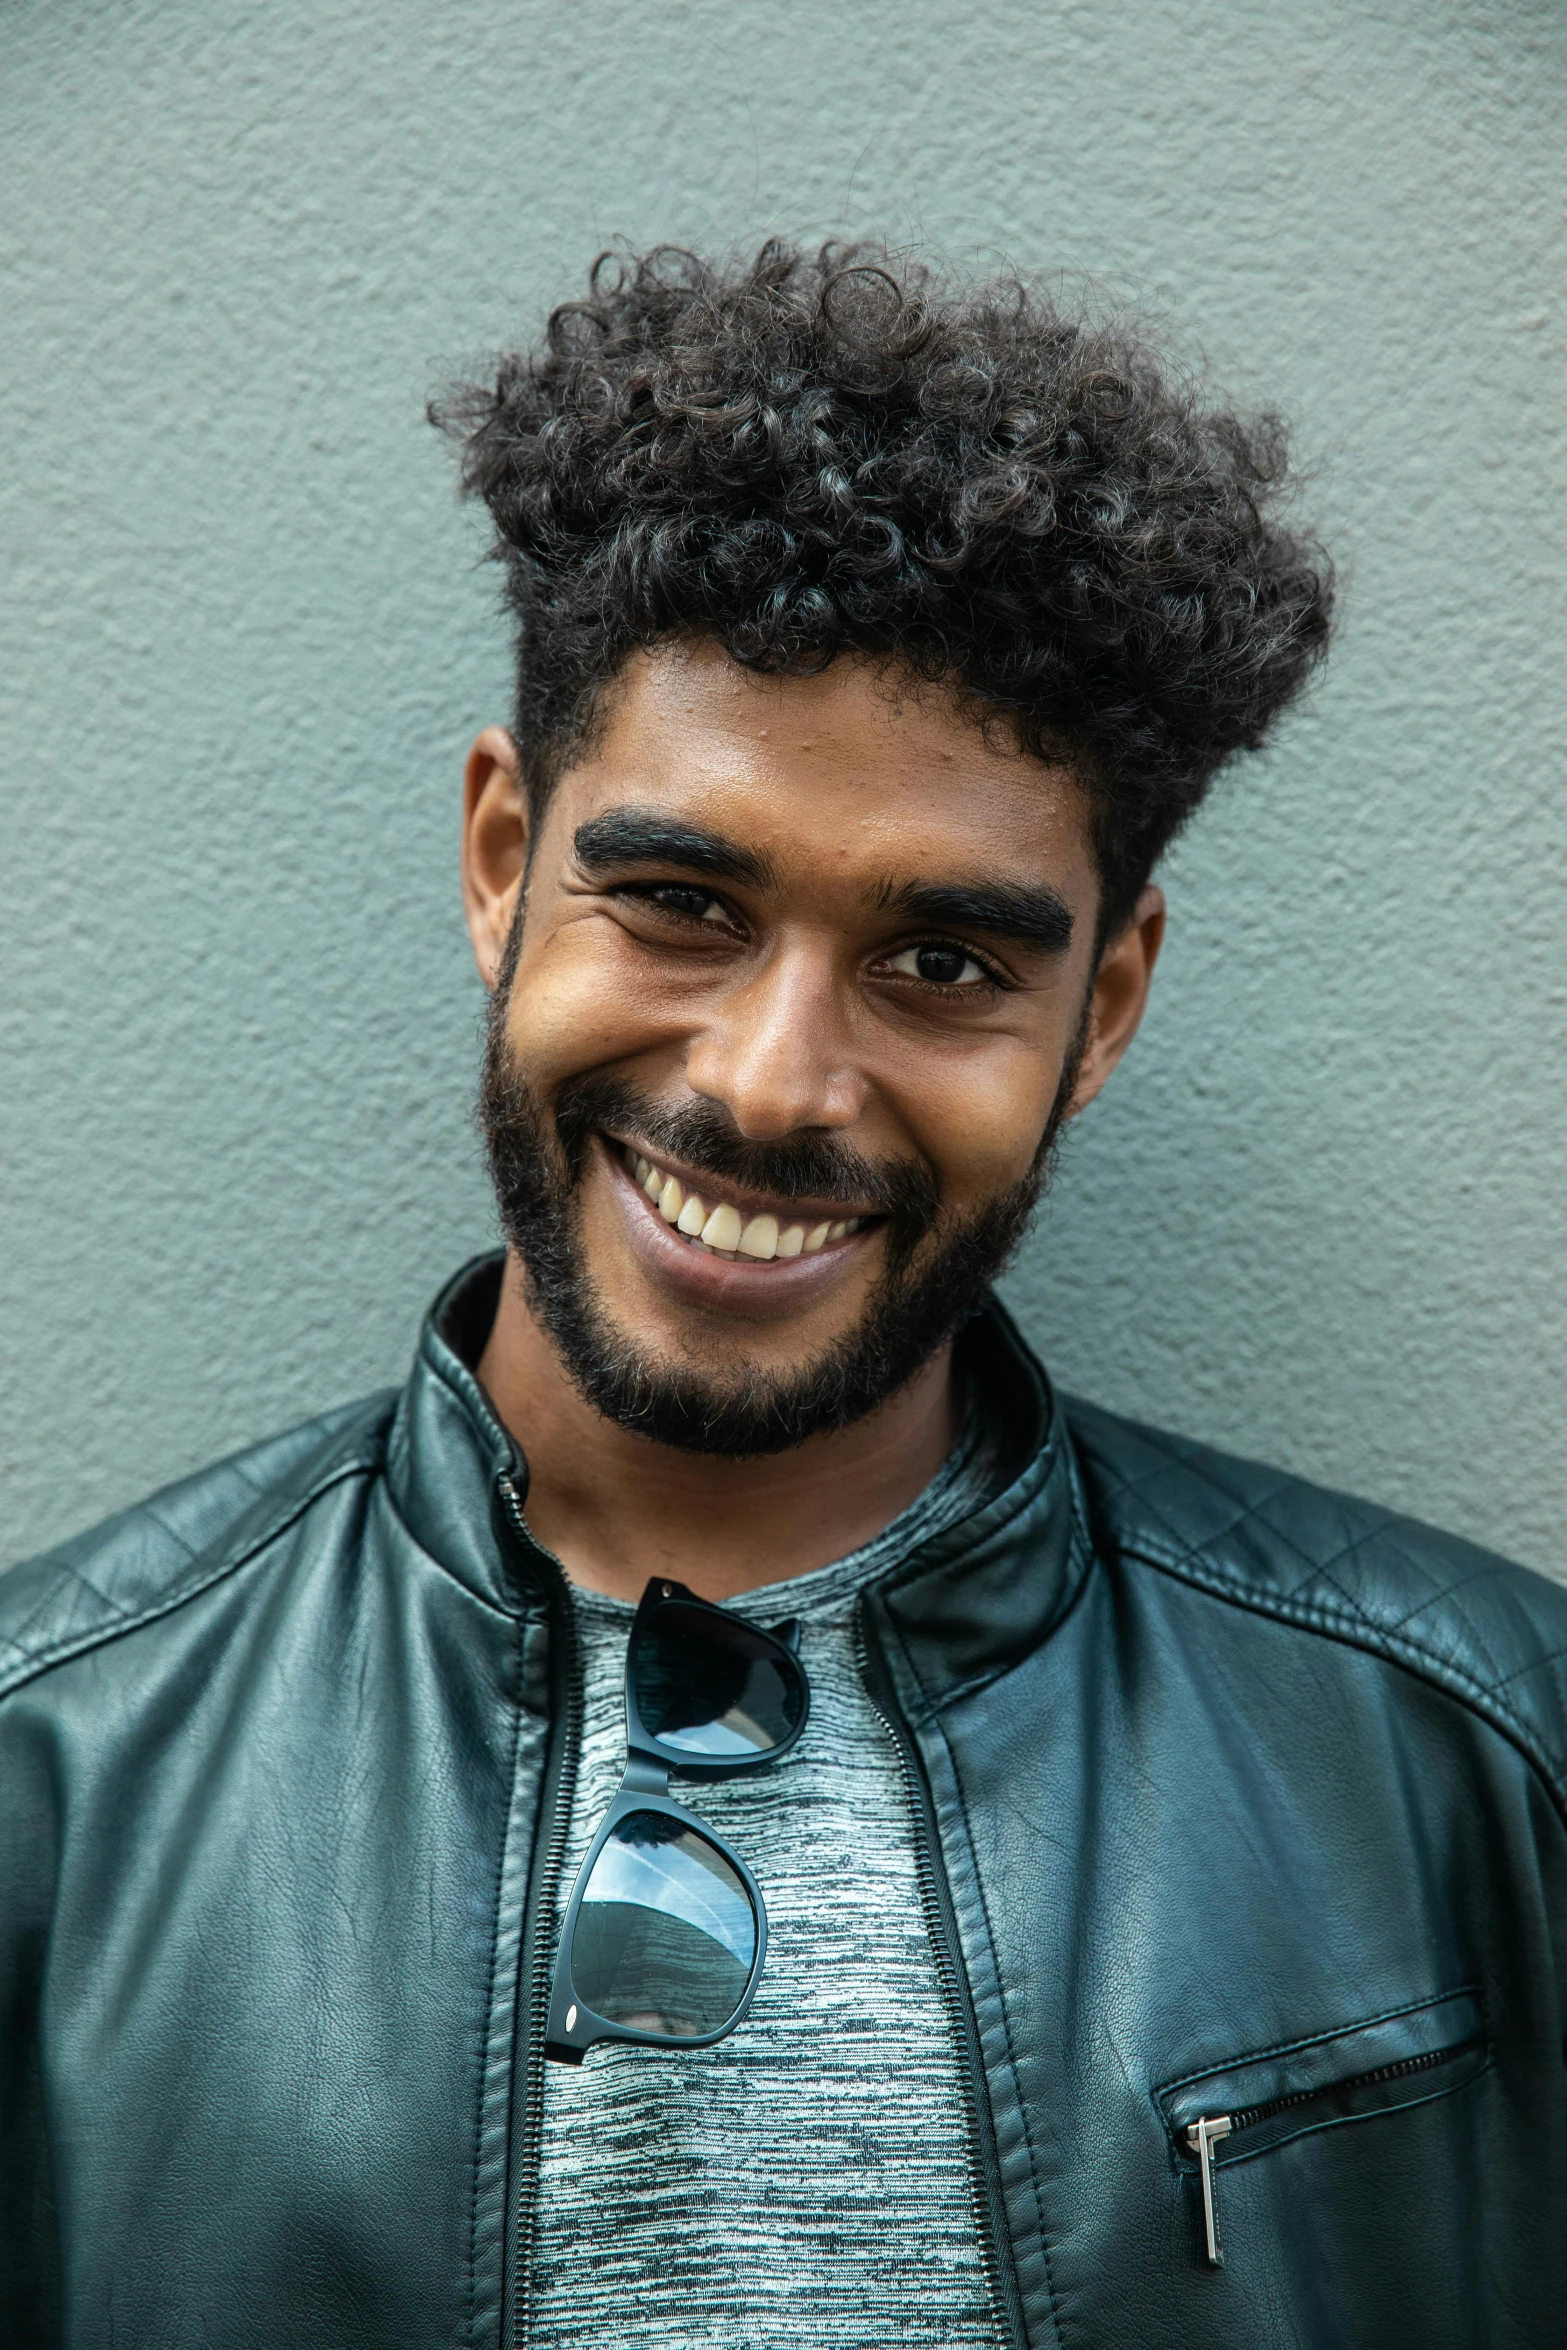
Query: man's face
[795,1003]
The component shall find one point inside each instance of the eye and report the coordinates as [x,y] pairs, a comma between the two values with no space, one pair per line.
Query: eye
[686,899]
[940,965]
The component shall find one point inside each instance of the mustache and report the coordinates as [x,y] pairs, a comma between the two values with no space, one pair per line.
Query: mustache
[702,1135]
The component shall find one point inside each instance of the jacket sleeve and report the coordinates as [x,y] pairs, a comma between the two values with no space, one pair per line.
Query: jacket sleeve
[31,1770]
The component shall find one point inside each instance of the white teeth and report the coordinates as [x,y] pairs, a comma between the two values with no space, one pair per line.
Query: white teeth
[692,1216]
[723,1227]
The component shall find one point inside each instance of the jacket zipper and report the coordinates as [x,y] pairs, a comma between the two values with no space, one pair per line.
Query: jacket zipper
[538,1937]
[941,1925]
[1203,2135]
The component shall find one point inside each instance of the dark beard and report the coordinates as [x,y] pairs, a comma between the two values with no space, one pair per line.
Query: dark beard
[912,1310]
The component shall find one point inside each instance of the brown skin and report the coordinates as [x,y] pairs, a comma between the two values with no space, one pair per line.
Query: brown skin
[794,1004]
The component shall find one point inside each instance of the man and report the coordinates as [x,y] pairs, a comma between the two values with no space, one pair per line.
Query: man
[726,1812]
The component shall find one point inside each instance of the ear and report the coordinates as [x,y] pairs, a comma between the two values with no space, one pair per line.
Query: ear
[494,846]
[1120,996]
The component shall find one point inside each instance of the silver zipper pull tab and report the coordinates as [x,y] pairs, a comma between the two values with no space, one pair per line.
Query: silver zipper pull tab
[1202,2137]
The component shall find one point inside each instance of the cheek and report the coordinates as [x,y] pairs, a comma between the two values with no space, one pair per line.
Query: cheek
[572,1009]
[979,1120]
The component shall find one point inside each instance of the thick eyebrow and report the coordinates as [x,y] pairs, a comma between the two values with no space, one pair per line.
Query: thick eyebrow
[624,837]
[1029,915]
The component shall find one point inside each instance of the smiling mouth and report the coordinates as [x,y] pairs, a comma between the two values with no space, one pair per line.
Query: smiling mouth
[720,1228]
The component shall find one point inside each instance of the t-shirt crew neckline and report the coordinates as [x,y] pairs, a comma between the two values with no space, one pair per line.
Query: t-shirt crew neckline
[960,1486]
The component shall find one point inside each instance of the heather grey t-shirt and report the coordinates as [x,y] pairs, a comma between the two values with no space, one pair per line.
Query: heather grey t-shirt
[806,2182]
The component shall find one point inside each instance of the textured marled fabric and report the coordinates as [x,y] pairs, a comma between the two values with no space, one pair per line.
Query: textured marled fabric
[806,2182]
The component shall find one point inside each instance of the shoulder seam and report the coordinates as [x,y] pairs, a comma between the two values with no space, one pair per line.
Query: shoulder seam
[77,1644]
[1357,1631]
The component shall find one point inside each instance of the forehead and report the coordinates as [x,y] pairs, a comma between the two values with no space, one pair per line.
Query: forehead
[860,772]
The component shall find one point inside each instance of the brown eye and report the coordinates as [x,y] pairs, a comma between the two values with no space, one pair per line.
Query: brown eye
[938,966]
[686,900]
[679,898]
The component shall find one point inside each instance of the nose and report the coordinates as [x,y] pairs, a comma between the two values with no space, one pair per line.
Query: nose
[776,1052]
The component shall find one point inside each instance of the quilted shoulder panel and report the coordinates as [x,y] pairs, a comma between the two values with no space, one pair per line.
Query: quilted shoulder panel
[146,1557]
[1493,1633]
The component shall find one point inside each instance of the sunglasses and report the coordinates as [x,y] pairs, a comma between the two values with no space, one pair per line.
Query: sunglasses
[665,1932]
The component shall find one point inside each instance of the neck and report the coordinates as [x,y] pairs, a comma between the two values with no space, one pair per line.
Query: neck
[616,1508]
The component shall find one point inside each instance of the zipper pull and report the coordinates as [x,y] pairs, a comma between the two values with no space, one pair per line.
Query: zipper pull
[1202,2137]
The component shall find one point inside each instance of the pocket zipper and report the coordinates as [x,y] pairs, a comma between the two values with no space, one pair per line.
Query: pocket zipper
[1205,2133]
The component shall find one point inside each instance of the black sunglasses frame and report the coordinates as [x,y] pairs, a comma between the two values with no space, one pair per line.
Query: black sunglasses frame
[574,2027]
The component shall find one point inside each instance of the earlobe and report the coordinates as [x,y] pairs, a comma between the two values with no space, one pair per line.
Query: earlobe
[1120,996]
[494,846]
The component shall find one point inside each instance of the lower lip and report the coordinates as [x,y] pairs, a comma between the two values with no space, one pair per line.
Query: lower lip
[759,1289]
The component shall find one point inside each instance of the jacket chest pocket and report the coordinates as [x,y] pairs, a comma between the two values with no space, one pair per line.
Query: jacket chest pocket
[1237,2111]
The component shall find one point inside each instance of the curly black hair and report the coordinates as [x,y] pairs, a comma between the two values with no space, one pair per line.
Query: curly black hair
[804,455]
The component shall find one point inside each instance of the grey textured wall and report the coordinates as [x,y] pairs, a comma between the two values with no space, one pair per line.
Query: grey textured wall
[245,642]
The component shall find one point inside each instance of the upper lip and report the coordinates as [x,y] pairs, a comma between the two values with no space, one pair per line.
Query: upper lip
[741,1195]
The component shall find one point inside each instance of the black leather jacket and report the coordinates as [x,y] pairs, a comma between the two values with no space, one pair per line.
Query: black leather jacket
[1239,1801]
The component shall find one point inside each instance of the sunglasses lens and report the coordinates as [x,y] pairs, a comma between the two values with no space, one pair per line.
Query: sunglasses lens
[666,1935]
[710,1687]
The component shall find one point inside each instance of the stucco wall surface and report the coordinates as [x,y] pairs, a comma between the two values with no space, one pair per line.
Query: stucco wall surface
[246,639]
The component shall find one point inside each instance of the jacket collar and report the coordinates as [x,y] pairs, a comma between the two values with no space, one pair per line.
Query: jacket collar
[960,1609]
[447,1448]
[983,1595]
